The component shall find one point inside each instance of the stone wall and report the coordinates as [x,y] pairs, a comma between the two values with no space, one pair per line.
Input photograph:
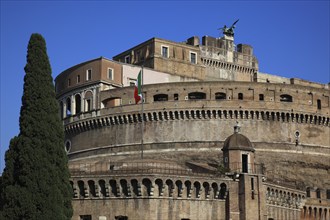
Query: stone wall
[284,203]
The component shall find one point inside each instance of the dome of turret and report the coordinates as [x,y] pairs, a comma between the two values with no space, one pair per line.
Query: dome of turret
[237,141]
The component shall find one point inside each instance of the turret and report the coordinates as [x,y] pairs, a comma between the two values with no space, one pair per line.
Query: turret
[238,153]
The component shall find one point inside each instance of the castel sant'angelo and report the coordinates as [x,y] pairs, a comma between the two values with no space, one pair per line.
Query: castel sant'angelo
[215,138]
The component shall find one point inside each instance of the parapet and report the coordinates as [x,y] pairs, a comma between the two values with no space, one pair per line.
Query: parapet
[302,82]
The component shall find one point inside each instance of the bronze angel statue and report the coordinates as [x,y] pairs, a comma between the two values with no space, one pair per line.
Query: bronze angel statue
[229,31]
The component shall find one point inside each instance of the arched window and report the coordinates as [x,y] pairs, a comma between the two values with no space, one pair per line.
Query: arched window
[160,97]
[78,103]
[88,101]
[240,96]
[197,95]
[223,190]
[220,96]
[68,107]
[285,98]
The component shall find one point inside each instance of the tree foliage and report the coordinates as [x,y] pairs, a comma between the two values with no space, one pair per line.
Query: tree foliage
[35,182]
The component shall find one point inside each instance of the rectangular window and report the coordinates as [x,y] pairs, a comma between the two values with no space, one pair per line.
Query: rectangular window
[176,96]
[85,217]
[165,51]
[127,59]
[78,79]
[319,104]
[121,217]
[252,188]
[69,82]
[261,97]
[193,58]
[244,163]
[88,105]
[88,75]
[131,81]
[110,73]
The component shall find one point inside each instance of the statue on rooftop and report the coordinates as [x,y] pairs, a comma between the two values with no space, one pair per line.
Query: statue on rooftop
[229,31]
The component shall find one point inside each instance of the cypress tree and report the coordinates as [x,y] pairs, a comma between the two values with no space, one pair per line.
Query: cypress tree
[35,182]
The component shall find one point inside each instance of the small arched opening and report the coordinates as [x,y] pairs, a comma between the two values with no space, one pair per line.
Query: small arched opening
[178,184]
[285,98]
[220,96]
[81,189]
[91,186]
[102,188]
[188,187]
[160,97]
[240,96]
[223,190]
[135,187]
[147,187]
[159,184]
[113,186]
[124,188]
[196,95]
[170,187]
[197,186]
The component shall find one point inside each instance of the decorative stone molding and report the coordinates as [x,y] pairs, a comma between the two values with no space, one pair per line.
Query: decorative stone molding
[195,114]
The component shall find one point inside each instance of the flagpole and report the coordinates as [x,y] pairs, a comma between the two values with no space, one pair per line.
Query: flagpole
[142,123]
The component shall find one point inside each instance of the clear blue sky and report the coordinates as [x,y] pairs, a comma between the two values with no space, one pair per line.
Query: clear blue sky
[290,38]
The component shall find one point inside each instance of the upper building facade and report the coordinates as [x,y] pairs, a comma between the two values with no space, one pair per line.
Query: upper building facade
[211,59]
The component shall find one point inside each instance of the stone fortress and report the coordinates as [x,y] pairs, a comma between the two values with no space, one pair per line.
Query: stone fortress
[215,138]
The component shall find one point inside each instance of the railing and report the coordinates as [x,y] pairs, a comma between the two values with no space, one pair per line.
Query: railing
[238,167]
[129,168]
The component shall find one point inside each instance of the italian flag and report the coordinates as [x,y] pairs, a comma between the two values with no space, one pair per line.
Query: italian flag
[137,89]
